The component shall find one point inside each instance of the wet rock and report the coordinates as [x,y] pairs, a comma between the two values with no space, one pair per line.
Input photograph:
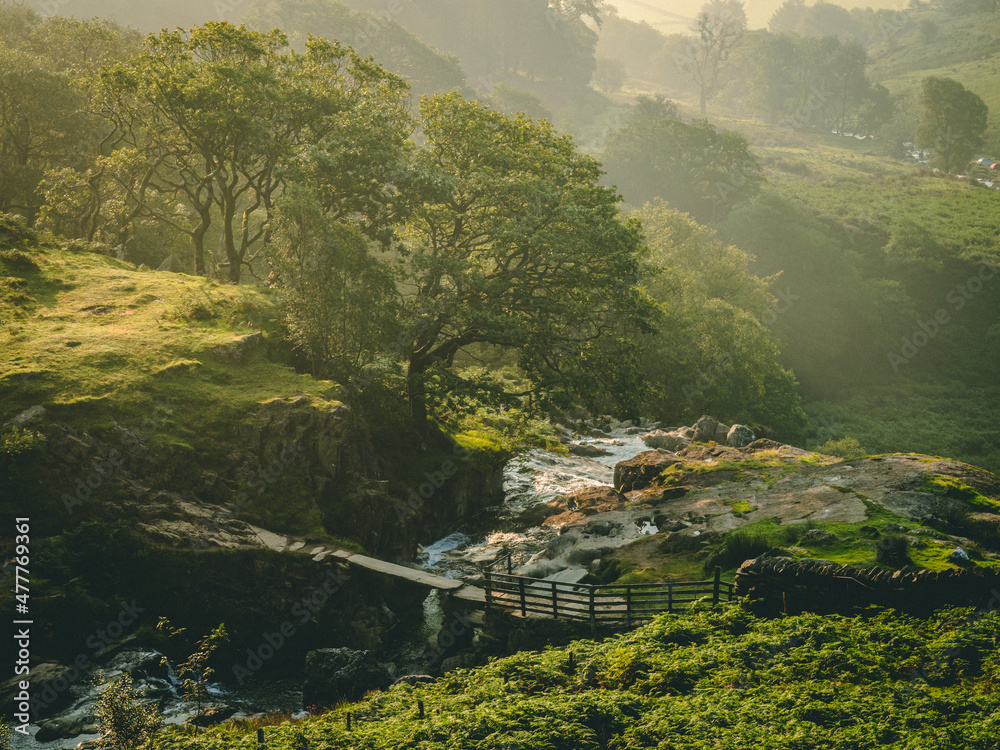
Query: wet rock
[601,528]
[587,450]
[332,675]
[740,436]
[66,727]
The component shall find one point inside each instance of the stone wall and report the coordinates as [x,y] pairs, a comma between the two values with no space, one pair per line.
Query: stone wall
[782,585]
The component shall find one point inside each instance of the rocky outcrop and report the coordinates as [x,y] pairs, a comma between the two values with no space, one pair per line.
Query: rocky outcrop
[775,585]
[639,472]
[332,675]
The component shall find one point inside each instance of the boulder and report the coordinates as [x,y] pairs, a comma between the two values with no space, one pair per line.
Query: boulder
[708,429]
[27,416]
[740,436]
[332,675]
[671,441]
[587,450]
[640,471]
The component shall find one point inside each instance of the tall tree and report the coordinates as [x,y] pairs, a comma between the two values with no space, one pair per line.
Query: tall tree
[694,166]
[717,28]
[516,245]
[952,122]
[219,113]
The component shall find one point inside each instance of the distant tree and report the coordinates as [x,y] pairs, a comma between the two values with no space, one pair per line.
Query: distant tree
[610,74]
[380,35]
[786,18]
[719,25]
[516,245]
[694,166]
[511,101]
[952,122]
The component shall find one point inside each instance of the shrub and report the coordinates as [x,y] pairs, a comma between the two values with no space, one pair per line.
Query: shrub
[739,546]
[848,448]
[124,722]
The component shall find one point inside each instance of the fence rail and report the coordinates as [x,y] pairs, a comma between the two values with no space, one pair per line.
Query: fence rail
[609,604]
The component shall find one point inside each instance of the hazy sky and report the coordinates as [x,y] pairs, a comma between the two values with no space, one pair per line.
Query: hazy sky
[671,16]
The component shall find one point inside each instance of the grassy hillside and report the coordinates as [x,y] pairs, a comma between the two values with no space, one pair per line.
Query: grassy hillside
[721,679]
[98,341]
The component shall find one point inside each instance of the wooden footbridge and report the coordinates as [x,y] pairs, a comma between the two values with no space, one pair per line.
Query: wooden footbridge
[524,596]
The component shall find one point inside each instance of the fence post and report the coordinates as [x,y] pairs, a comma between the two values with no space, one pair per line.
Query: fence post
[488,588]
[510,566]
[715,588]
[260,738]
[593,614]
[520,588]
[555,605]
[670,597]
[628,606]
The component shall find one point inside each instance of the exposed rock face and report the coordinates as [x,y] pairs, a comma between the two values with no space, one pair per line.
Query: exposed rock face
[332,675]
[740,436]
[708,429]
[34,414]
[640,471]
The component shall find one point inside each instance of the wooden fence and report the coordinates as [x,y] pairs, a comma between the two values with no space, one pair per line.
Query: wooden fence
[609,604]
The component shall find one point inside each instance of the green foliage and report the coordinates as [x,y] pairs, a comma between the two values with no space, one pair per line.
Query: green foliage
[847,448]
[516,245]
[952,122]
[713,678]
[739,546]
[695,167]
[712,355]
[338,298]
[194,672]
[125,723]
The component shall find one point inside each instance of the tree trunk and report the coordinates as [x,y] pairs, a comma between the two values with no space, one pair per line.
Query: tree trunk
[417,397]
[704,101]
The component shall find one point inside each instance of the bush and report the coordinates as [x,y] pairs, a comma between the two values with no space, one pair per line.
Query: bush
[847,448]
[124,722]
[738,547]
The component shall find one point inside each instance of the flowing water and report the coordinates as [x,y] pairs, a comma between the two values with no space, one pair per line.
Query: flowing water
[532,479]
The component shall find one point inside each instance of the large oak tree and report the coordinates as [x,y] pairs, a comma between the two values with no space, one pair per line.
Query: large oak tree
[515,244]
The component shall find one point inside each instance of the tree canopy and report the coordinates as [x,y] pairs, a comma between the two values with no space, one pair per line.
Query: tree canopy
[516,245]
[952,122]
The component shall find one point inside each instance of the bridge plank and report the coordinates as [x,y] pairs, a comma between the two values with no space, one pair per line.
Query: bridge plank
[408,574]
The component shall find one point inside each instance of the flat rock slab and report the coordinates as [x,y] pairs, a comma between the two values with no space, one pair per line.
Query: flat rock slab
[269,539]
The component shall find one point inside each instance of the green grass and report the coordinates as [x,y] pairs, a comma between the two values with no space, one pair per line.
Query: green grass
[944,419]
[103,343]
[708,679]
